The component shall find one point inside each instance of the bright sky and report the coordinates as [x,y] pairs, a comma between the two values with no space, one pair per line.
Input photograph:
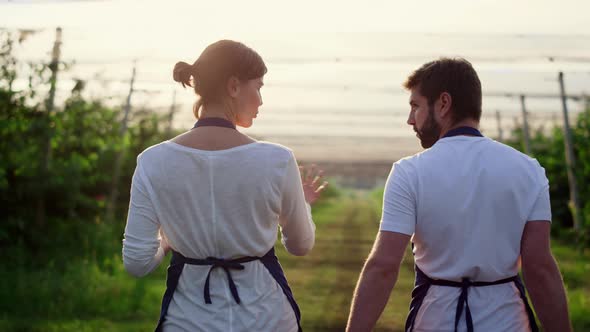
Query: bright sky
[327,59]
[457,16]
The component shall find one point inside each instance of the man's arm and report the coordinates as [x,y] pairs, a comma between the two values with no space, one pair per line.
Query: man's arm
[376,281]
[542,277]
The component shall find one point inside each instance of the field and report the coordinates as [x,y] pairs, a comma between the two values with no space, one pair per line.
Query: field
[90,295]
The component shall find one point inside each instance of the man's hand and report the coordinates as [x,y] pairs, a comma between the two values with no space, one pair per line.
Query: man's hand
[377,279]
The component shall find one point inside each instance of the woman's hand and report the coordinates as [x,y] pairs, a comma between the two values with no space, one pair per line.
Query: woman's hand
[311,178]
[164,243]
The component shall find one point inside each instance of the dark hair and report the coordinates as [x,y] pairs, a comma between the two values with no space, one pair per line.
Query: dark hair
[455,76]
[218,62]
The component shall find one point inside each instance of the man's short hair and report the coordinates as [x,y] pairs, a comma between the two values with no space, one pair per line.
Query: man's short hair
[455,76]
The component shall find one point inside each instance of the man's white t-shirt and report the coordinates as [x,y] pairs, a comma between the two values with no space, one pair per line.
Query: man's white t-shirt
[465,201]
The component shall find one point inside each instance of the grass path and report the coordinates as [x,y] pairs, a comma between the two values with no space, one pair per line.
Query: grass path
[324,281]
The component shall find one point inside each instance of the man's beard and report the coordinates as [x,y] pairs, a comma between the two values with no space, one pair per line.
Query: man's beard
[430,131]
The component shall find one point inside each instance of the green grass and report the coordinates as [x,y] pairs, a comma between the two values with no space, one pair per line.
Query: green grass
[575,269]
[98,295]
[82,294]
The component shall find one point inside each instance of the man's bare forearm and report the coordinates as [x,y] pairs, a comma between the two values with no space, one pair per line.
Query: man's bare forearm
[370,297]
[545,287]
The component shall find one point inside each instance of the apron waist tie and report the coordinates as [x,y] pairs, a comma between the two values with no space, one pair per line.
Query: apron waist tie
[226,264]
[463,302]
[269,260]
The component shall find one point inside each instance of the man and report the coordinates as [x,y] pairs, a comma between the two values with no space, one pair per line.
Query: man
[474,209]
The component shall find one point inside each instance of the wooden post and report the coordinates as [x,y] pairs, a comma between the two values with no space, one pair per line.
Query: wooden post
[49,105]
[525,127]
[171,115]
[498,122]
[120,156]
[570,159]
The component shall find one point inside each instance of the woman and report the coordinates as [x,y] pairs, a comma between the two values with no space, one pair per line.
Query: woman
[217,198]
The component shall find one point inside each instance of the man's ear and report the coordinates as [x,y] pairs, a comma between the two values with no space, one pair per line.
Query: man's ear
[233,86]
[446,101]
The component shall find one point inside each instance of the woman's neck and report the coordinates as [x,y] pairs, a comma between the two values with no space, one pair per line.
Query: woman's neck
[215,111]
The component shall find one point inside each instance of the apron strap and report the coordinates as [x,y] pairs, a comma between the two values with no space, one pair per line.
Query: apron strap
[172,277]
[214,122]
[271,262]
[463,131]
[533,322]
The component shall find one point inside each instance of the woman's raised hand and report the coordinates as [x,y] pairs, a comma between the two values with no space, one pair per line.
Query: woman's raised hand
[311,178]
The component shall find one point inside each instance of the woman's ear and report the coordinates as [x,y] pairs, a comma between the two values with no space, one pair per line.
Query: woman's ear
[233,86]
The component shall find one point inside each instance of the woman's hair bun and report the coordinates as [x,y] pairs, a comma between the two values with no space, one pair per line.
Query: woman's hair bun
[182,73]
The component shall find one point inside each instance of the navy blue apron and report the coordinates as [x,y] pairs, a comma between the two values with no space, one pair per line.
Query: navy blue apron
[423,282]
[269,260]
